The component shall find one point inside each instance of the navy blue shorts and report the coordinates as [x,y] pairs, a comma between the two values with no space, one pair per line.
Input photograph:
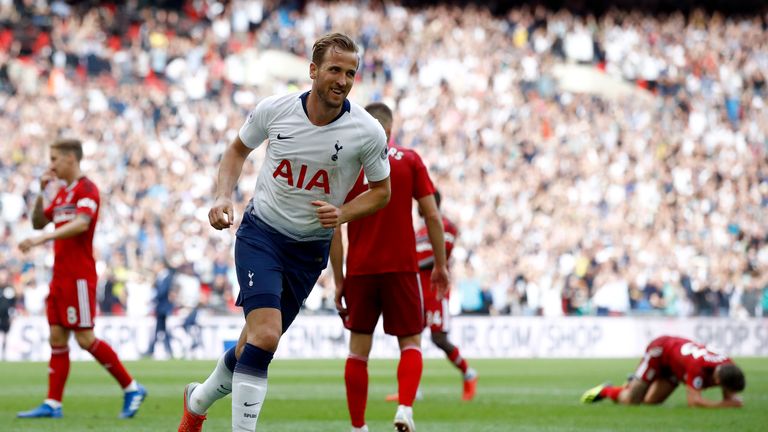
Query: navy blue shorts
[275,271]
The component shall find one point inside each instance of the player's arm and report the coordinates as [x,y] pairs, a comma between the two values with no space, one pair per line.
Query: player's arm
[76,226]
[337,265]
[222,214]
[696,399]
[368,202]
[39,219]
[435,231]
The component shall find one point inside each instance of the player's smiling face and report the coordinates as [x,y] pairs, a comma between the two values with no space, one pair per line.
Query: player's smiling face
[333,78]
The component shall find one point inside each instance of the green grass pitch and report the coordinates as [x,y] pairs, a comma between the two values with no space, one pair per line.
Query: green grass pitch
[308,395]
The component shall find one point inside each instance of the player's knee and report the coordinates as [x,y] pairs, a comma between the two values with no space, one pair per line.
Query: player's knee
[625,398]
[85,339]
[441,340]
[58,337]
[411,341]
[632,396]
[266,339]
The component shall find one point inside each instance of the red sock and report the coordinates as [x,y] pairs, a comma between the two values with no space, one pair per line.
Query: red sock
[456,358]
[58,371]
[356,380]
[611,392]
[409,374]
[105,355]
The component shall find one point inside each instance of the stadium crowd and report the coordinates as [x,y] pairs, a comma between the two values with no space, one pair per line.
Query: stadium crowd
[567,203]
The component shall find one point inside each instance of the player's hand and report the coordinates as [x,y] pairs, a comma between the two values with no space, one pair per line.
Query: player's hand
[328,214]
[439,281]
[29,243]
[338,297]
[47,177]
[222,214]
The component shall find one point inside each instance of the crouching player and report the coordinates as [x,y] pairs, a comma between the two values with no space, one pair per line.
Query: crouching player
[668,361]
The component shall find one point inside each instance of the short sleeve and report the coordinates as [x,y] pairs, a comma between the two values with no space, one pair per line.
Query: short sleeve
[422,183]
[375,156]
[254,130]
[87,202]
[360,186]
[695,377]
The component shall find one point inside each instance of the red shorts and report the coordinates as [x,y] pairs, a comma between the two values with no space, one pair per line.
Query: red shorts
[71,303]
[437,317]
[651,367]
[396,296]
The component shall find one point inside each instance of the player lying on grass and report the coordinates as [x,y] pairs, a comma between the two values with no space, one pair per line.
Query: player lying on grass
[668,361]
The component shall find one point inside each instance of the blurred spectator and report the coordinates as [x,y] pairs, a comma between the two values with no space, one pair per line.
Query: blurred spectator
[189,301]
[164,298]
[7,306]
[669,183]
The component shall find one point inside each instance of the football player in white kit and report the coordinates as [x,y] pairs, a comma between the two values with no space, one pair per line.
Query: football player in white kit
[317,143]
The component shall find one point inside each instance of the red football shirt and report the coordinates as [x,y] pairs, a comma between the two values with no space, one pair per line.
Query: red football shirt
[424,253]
[73,257]
[384,242]
[692,363]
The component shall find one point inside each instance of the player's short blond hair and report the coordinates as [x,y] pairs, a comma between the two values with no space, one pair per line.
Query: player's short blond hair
[339,40]
[72,146]
[381,112]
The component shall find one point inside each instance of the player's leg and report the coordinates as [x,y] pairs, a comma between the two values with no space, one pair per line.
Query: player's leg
[249,380]
[632,393]
[276,274]
[198,398]
[356,378]
[403,311]
[133,392]
[85,311]
[259,267]
[635,390]
[57,313]
[659,391]
[438,320]
[363,298]
[469,375]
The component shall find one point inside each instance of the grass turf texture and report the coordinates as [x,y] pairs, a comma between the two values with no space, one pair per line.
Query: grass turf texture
[308,395]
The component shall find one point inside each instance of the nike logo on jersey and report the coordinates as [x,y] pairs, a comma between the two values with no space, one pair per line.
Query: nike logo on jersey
[250,404]
[282,137]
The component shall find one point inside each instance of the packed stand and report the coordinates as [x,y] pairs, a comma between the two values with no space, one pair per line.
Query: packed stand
[566,203]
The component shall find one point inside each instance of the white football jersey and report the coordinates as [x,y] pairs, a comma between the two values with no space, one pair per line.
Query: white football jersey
[305,162]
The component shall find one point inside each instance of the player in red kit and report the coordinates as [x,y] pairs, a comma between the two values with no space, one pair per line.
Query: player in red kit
[671,360]
[71,303]
[382,278]
[437,316]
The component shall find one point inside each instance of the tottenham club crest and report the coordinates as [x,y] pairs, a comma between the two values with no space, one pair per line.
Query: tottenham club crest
[250,278]
[338,148]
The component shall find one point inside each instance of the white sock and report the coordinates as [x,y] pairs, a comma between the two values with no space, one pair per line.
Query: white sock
[248,393]
[52,403]
[218,385]
[132,387]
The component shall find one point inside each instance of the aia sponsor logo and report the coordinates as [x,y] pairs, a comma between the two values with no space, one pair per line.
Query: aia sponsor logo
[317,178]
